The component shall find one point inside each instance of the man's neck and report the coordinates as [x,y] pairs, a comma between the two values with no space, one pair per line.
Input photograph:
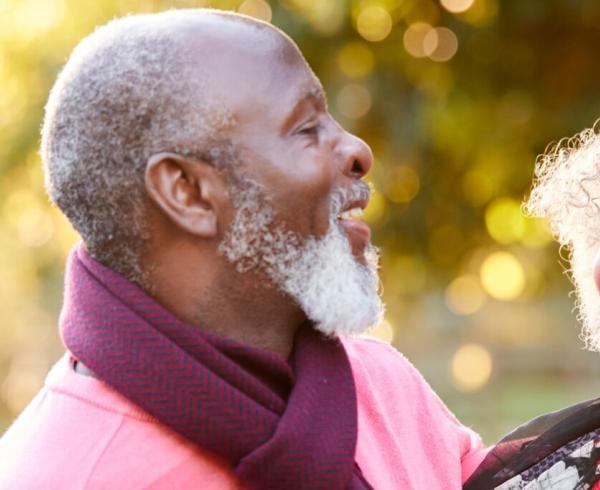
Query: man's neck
[262,319]
[245,311]
[241,319]
[258,329]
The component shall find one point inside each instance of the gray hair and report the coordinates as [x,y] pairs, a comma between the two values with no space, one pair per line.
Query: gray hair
[129,90]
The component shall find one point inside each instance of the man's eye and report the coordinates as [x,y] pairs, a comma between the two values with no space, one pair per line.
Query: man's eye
[310,130]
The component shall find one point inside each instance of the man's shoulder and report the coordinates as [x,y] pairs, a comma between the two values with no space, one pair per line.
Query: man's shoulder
[79,433]
[371,354]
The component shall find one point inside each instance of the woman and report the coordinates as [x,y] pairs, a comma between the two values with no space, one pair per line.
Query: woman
[561,450]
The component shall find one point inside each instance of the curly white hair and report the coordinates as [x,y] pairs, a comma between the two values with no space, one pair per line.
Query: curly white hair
[566,191]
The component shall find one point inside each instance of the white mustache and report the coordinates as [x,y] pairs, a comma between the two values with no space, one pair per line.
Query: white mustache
[341,198]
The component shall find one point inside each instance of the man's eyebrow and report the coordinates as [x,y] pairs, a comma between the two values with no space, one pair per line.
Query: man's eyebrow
[314,95]
[317,94]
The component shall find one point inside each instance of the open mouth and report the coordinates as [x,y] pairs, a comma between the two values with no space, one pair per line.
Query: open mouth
[353,209]
[352,213]
[356,230]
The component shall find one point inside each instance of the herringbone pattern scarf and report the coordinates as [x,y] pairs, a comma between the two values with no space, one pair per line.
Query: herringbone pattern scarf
[280,425]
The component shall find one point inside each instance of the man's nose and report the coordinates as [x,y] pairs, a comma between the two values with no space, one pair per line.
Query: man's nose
[357,156]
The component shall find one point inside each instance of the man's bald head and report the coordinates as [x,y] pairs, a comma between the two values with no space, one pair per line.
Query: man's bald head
[138,86]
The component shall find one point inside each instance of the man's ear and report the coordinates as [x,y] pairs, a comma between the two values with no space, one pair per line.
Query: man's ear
[187,191]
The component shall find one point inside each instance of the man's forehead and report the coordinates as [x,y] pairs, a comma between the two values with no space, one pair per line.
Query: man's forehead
[250,66]
[306,86]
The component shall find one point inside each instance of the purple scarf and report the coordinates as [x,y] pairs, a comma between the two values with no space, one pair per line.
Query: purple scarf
[279,425]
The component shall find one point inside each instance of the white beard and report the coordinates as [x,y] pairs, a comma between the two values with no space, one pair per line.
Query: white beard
[335,291]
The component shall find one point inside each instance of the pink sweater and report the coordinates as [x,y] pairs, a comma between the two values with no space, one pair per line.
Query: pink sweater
[79,433]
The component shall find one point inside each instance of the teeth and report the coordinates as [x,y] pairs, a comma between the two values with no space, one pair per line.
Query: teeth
[351,213]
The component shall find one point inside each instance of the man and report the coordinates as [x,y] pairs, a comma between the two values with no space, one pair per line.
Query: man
[561,449]
[211,313]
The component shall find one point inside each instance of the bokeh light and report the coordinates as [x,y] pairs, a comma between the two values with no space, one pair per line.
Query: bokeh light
[414,38]
[502,276]
[259,9]
[34,227]
[537,233]
[471,367]
[402,185]
[26,20]
[440,44]
[354,101]
[504,220]
[356,60]
[464,295]
[457,6]
[374,23]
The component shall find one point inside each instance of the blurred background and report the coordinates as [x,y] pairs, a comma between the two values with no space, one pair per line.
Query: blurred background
[456,98]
